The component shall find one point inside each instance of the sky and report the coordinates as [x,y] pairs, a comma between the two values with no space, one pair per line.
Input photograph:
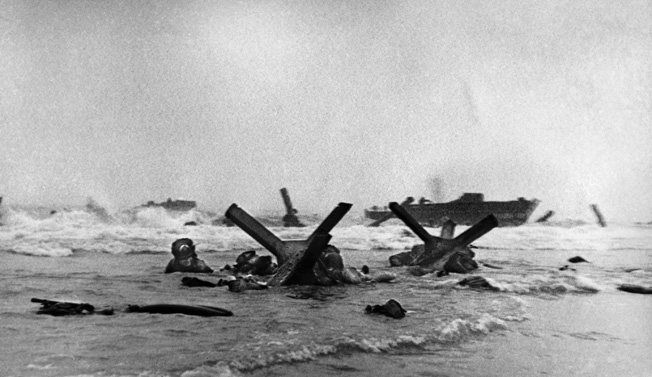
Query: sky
[359,101]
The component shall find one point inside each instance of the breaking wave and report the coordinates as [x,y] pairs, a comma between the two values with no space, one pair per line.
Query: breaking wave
[457,330]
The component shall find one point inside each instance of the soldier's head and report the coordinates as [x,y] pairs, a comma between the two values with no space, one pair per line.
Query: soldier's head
[183,248]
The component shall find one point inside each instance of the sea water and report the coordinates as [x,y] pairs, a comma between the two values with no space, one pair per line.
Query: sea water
[540,321]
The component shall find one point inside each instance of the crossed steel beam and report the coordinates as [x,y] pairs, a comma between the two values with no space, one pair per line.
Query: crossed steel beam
[294,257]
[437,250]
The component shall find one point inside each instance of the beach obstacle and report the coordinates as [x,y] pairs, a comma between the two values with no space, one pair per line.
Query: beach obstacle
[295,258]
[290,218]
[598,215]
[545,217]
[435,252]
[407,258]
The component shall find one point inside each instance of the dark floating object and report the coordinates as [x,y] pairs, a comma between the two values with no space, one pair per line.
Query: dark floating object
[195,282]
[197,310]
[190,223]
[241,284]
[391,309]
[578,259]
[60,308]
[633,288]
[477,282]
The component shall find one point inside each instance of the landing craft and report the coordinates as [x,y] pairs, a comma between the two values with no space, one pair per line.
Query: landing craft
[173,205]
[468,209]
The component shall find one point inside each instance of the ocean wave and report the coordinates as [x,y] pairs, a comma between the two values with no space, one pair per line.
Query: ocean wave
[553,283]
[155,228]
[454,331]
[40,250]
[219,370]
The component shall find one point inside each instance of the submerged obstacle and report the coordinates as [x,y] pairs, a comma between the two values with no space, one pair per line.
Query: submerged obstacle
[295,258]
[391,308]
[598,215]
[545,217]
[436,252]
[634,288]
[290,218]
[196,310]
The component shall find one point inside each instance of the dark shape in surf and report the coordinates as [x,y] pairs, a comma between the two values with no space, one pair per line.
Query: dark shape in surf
[577,259]
[195,282]
[61,308]
[196,310]
[185,258]
[477,282]
[634,288]
[237,284]
[244,283]
[391,309]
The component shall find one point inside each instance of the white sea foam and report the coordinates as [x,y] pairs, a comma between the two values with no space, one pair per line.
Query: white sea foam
[459,329]
[218,370]
[42,249]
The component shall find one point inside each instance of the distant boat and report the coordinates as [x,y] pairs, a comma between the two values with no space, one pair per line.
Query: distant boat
[173,205]
[468,209]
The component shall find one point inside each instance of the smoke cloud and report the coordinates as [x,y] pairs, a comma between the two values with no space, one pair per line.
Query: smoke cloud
[358,101]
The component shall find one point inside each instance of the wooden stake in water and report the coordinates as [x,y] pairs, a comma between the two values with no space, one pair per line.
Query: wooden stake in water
[598,215]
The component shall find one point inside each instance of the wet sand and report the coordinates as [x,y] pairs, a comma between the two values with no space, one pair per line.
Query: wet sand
[606,334]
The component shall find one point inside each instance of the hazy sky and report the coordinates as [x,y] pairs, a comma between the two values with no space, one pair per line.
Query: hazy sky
[351,100]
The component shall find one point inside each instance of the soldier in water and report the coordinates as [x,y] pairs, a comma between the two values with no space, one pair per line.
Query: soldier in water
[185,258]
